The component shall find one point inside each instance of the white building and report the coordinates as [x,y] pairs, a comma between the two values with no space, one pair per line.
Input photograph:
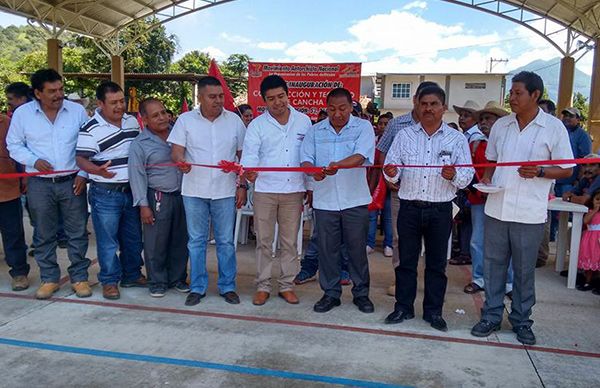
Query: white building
[394,92]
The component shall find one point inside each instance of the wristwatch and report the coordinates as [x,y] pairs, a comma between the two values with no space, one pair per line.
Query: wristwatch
[541,173]
[243,186]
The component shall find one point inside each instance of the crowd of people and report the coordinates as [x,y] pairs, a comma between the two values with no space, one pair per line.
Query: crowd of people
[153,205]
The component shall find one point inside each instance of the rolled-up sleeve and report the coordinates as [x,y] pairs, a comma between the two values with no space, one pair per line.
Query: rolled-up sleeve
[307,149]
[464,175]
[251,146]
[16,141]
[138,179]
[365,144]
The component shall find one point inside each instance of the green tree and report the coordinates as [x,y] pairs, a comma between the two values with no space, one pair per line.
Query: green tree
[580,102]
[192,62]
[235,70]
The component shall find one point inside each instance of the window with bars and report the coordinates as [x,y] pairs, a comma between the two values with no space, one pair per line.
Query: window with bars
[401,90]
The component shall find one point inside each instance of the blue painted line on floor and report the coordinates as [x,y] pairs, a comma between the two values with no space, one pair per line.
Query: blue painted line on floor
[196,364]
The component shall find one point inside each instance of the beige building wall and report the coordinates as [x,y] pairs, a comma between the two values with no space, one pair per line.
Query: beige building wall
[459,88]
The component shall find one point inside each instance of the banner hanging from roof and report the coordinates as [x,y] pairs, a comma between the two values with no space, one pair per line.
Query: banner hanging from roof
[308,83]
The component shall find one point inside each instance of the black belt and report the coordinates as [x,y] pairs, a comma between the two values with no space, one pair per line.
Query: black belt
[120,187]
[59,179]
[423,204]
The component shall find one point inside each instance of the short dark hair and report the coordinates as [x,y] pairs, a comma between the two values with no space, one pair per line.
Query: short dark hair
[19,89]
[435,90]
[144,104]
[169,111]
[40,77]
[241,109]
[387,115]
[532,82]
[550,104]
[208,80]
[273,81]
[107,87]
[340,92]
[423,85]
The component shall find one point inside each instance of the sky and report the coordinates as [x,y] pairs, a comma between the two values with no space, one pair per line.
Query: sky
[385,35]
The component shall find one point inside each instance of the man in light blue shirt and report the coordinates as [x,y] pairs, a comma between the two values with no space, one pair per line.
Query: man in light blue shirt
[341,197]
[42,137]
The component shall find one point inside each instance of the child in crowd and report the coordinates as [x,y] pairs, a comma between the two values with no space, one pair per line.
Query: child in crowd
[589,249]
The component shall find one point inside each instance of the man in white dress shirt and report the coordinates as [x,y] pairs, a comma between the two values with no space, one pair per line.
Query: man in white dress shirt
[426,196]
[515,216]
[274,139]
[208,135]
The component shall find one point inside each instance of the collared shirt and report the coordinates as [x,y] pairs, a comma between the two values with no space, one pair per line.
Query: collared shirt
[268,143]
[474,134]
[146,151]
[524,200]
[9,188]
[208,142]
[323,145]
[33,136]
[581,145]
[413,146]
[396,124]
[101,141]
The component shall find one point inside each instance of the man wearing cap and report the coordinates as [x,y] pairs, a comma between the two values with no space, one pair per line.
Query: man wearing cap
[486,118]
[581,144]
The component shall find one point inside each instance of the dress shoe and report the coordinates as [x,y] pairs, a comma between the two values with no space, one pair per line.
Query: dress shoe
[326,304]
[398,316]
[289,296]
[194,298]
[231,297]
[364,304]
[82,289]
[260,298]
[140,282]
[110,291]
[20,283]
[46,290]
[484,328]
[437,322]
[524,335]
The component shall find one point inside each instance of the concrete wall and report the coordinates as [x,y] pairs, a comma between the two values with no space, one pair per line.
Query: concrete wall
[453,84]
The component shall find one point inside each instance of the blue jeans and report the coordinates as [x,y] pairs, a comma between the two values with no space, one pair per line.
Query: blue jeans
[386,214]
[221,212]
[118,227]
[477,254]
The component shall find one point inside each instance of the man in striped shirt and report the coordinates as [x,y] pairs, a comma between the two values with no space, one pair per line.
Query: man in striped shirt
[426,196]
[103,143]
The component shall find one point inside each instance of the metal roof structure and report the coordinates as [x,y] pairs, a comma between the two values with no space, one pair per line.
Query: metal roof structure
[569,25]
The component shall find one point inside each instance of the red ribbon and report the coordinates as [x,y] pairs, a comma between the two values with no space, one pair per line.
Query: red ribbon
[229,166]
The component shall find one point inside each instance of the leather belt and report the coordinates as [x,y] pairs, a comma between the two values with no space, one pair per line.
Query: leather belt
[120,187]
[422,204]
[59,179]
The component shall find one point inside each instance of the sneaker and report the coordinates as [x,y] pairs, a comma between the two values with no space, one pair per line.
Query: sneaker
[484,328]
[370,250]
[388,252]
[182,287]
[525,335]
[157,292]
[304,277]
[345,281]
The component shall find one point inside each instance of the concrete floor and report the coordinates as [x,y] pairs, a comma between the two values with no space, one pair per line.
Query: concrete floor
[142,341]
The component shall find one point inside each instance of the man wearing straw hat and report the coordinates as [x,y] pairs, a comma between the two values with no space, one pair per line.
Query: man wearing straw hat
[486,118]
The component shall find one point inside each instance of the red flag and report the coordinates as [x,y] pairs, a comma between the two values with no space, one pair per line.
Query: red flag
[138,116]
[184,106]
[214,71]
